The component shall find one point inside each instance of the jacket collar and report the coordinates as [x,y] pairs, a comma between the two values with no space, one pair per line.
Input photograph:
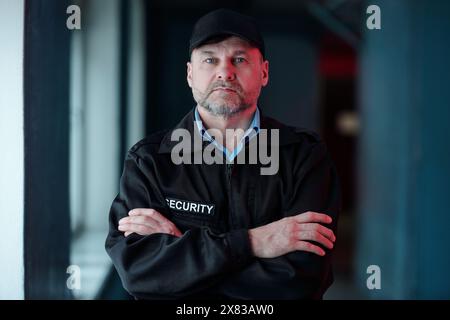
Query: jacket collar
[288,135]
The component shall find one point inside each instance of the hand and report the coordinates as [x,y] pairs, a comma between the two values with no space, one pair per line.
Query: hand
[292,233]
[146,222]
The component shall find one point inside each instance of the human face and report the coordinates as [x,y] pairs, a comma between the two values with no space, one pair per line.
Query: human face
[226,77]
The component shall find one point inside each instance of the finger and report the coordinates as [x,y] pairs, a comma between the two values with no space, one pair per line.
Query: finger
[311,216]
[315,236]
[152,213]
[177,232]
[319,228]
[167,227]
[150,222]
[309,247]
[127,233]
[137,228]
[147,230]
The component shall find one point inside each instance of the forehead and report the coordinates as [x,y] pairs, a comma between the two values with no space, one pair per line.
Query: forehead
[229,45]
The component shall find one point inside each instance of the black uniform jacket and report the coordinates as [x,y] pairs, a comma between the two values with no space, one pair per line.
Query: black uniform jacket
[214,206]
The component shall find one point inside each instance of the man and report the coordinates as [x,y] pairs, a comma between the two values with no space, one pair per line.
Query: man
[225,229]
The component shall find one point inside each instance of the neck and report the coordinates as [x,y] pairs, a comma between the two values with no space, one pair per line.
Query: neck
[238,121]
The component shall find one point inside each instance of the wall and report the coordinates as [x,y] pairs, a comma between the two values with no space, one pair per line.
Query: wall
[102,109]
[46,127]
[291,95]
[404,152]
[11,146]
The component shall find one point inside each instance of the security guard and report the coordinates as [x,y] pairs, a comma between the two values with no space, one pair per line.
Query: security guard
[186,229]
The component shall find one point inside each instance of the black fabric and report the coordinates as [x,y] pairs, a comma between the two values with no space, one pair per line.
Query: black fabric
[213,258]
[226,22]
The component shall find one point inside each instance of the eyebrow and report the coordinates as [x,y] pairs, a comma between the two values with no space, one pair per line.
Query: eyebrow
[206,52]
[235,53]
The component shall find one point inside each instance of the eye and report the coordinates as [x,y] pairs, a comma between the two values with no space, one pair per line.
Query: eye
[239,60]
[210,60]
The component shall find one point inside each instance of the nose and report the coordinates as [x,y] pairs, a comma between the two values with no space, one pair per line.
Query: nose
[226,71]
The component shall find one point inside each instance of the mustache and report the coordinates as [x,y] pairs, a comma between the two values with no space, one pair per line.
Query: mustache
[224,84]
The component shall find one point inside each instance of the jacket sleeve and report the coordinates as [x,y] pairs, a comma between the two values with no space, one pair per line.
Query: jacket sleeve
[161,265]
[299,274]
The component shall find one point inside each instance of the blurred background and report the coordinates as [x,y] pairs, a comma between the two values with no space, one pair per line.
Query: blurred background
[72,102]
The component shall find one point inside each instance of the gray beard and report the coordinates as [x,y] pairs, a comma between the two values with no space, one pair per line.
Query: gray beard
[220,110]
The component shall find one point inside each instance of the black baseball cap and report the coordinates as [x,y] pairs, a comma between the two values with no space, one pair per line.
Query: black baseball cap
[226,22]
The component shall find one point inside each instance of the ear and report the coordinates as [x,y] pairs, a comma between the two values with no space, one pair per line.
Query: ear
[264,73]
[189,74]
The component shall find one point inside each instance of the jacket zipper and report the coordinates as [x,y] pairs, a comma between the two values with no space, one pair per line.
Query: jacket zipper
[229,173]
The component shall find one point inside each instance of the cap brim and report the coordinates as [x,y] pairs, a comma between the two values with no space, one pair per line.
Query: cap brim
[201,41]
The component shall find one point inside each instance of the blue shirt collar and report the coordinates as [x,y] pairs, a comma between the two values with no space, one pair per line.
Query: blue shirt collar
[249,134]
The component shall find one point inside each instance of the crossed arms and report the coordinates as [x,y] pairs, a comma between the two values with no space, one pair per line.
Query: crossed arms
[285,259]
[269,241]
